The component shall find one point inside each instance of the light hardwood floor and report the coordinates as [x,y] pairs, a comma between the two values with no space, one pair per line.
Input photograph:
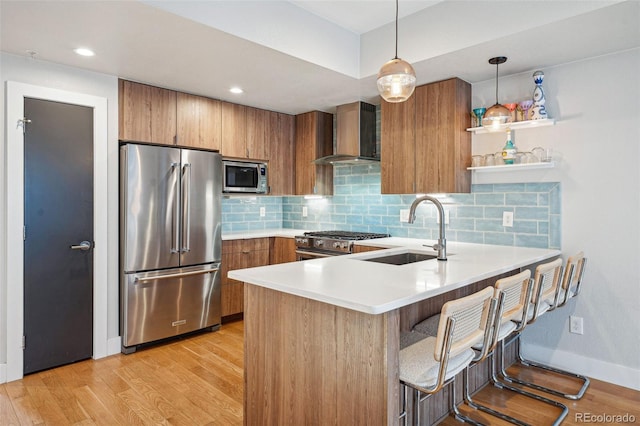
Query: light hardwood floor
[198,381]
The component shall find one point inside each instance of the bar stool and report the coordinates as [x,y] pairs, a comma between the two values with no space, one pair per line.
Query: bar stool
[514,296]
[431,363]
[570,287]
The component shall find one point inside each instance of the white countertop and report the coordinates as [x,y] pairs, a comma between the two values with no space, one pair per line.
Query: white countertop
[375,288]
[262,233]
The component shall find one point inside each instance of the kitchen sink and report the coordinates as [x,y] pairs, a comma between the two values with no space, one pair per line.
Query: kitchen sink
[401,258]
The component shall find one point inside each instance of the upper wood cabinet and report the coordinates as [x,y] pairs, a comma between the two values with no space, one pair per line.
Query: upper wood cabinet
[280,153]
[234,130]
[257,133]
[313,139]
[424,142]
[397,146]
[146,113]
[198,122]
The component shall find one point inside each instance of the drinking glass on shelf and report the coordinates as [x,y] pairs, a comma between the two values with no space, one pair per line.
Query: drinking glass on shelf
[528,158]
[525,106]
[479,113]
[497,158]
[489,160]
[512,111]
[477,161]
[539,152]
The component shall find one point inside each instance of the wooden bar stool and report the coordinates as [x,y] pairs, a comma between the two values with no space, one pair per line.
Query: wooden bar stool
[431,363]
[547,282]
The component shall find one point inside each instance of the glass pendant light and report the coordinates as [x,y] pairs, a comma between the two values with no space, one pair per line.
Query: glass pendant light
[497,114]
[396,78]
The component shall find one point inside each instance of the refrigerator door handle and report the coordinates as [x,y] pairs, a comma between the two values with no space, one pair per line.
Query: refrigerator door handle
[186,199]
[175,247]
[178,275]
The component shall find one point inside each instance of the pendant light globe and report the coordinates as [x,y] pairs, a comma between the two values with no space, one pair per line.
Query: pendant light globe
[497,114]
[396,78]
[396,81]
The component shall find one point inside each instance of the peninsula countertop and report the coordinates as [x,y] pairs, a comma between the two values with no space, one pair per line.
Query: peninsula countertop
[375,288]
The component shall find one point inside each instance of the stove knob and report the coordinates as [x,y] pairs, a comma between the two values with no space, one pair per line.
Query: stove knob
[336,245]
[345,245]
[319,243]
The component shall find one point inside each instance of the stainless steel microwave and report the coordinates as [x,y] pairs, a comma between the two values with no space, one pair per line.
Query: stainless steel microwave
[245,177]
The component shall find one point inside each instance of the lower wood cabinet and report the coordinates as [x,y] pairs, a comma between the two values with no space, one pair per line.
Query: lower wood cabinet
[240,254]
[361,249]
[282,250]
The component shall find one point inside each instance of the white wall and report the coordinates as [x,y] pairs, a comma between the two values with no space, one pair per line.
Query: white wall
[596,138]
[46,74]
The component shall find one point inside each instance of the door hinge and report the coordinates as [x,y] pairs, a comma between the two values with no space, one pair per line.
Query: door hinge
[23,122]
[24,342]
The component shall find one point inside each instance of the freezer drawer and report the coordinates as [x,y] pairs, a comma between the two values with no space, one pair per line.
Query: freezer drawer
[161,304]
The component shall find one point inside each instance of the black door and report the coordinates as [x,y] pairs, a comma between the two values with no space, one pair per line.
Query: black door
[58,217]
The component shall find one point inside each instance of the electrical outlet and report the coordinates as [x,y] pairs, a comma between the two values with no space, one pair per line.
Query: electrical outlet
[305,211]
[507,219]
[263,211]
[576,325]
[404,215]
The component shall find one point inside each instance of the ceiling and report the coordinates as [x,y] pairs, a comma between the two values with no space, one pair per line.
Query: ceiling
[297,56]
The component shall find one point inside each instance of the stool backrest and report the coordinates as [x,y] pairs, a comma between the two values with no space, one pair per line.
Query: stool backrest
[572,278]
[464,322]
[546,285]
[514,295]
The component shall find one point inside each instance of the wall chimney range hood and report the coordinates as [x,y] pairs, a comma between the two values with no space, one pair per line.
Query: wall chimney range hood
[356,135]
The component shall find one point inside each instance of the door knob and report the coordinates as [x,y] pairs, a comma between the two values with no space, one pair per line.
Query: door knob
[84,246]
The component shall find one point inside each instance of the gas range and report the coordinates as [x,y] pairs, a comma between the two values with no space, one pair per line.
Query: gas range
[315,244]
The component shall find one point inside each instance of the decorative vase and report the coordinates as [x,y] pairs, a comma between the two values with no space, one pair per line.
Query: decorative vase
[538,111]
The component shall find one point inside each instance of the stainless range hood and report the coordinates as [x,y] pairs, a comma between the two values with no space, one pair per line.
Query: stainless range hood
[356,135]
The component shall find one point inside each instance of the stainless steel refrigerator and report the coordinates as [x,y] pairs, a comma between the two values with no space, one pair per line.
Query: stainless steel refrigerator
[170,242]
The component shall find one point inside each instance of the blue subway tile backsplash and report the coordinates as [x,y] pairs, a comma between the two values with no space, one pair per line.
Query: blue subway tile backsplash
[357,205]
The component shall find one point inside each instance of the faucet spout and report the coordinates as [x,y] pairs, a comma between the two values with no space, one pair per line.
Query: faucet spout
[441,246]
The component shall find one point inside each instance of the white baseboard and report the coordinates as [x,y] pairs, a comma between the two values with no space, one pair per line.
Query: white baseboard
[114,345]
[3,373]
[600,370]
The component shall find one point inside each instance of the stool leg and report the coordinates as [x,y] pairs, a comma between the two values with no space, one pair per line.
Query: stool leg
[528,363]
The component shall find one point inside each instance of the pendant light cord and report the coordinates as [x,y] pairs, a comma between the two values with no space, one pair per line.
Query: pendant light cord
[497,83]
[397,31]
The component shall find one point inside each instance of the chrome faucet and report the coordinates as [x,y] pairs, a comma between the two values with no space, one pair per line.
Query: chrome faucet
[441,245]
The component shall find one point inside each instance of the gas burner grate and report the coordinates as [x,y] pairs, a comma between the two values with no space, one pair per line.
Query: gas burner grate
[345,235]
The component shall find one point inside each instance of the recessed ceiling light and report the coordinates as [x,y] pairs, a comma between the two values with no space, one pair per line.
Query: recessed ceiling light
[236,90]
[84,52]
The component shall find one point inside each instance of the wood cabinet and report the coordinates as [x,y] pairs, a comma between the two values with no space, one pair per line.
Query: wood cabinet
[146,113]
[362,249]
[282,250]
[240,254]
[313,139]
[425,145]
[198,122]
[244,131]
[280,153]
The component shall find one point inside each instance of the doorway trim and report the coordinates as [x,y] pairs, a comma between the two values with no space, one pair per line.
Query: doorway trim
[16,92]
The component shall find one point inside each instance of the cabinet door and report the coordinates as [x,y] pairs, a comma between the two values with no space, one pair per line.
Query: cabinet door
[280,134]
[257,128]
[443,146]
[282,250]
[240,254]
[313,139]
[146,113]
[198,122]
[397,147]
[234,130]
